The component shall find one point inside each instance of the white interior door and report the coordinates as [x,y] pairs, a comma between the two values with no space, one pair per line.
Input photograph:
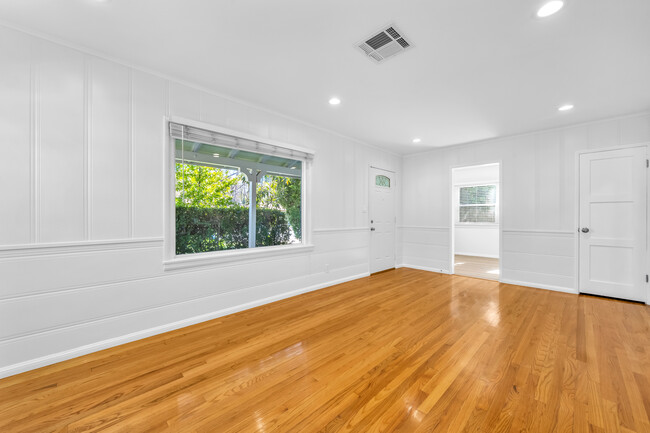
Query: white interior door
[613,223]
[382,220]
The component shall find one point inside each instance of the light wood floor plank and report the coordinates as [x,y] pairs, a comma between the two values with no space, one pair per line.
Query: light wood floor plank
[486,268]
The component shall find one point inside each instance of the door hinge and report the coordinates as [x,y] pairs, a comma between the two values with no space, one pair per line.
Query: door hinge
[647,163]
[646,278]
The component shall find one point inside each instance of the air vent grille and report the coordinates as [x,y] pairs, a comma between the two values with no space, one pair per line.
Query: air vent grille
[403,42]
[367,49]
[391,31]
[379,40]
[384,44]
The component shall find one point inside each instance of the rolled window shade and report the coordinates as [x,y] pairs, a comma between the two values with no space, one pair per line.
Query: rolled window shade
[199,135]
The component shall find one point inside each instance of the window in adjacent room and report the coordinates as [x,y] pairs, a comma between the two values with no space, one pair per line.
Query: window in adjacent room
[232,193]
[477,204]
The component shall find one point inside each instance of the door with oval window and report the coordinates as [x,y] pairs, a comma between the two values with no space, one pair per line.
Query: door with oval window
[381,209]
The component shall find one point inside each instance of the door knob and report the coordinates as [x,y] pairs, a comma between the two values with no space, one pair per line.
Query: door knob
[584,230]
[372,229]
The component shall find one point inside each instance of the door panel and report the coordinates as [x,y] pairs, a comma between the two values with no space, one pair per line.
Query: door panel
[382,220]
[613,212]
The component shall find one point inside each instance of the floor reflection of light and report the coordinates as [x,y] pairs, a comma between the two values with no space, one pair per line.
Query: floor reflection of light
[459,263]
[419,416]
[414,413]
[295,350]
[493,271]
[260,422]
[492,314]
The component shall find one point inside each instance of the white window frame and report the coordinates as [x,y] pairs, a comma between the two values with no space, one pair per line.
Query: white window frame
[172,261]
[458,205]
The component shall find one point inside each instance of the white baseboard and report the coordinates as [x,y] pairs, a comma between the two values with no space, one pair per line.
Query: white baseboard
[539,286]
[54,358]
[422,268]
[477,255]
[505,281]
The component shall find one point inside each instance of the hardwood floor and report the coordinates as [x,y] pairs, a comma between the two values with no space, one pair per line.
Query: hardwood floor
[477,267]
[405,350]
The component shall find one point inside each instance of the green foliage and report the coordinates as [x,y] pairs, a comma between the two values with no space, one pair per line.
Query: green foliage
[267,193]
[289,193]
[483,194]
[201,230]
[212,209]
[206,187]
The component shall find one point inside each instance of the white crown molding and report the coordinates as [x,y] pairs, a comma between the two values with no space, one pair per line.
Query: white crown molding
[525,134]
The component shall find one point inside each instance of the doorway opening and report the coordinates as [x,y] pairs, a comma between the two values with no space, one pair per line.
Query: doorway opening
[475,233]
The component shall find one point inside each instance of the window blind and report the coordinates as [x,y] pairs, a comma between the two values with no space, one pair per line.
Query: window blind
[477,204]
[199,135]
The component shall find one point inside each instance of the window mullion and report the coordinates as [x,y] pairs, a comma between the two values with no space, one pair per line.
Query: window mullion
[252,210]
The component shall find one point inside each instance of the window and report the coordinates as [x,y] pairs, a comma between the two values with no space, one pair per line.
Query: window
[381,180]
[233,193]
[477,204]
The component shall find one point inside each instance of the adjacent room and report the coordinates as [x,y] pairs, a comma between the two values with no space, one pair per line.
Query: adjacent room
[475,221]
[326,216]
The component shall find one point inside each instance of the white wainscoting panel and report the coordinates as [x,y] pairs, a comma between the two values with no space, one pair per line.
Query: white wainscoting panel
[77,266]
[539,259]
[58,344]
[425,248]
[102,297]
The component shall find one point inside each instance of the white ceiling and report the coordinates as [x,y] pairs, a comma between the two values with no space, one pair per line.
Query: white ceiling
[478,69]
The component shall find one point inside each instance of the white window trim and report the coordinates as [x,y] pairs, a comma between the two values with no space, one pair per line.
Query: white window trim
[458,205]
[171,261]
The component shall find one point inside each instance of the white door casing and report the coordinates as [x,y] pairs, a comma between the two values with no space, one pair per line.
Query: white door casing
[613,223]
[381,209]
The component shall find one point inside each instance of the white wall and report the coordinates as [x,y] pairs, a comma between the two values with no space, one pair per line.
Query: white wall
[537,193]
[475,239]
[81,220]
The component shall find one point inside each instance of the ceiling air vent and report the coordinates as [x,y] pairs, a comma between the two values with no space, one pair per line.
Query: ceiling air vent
[384,44]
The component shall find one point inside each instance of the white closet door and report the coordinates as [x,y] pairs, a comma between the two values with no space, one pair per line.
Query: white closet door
[613,223]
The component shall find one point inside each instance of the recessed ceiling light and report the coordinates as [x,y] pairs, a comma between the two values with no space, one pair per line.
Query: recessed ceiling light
[334,101]
[566,107]
[417,140]
[549,8]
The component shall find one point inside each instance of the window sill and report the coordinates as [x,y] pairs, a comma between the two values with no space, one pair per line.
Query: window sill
[243,255]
